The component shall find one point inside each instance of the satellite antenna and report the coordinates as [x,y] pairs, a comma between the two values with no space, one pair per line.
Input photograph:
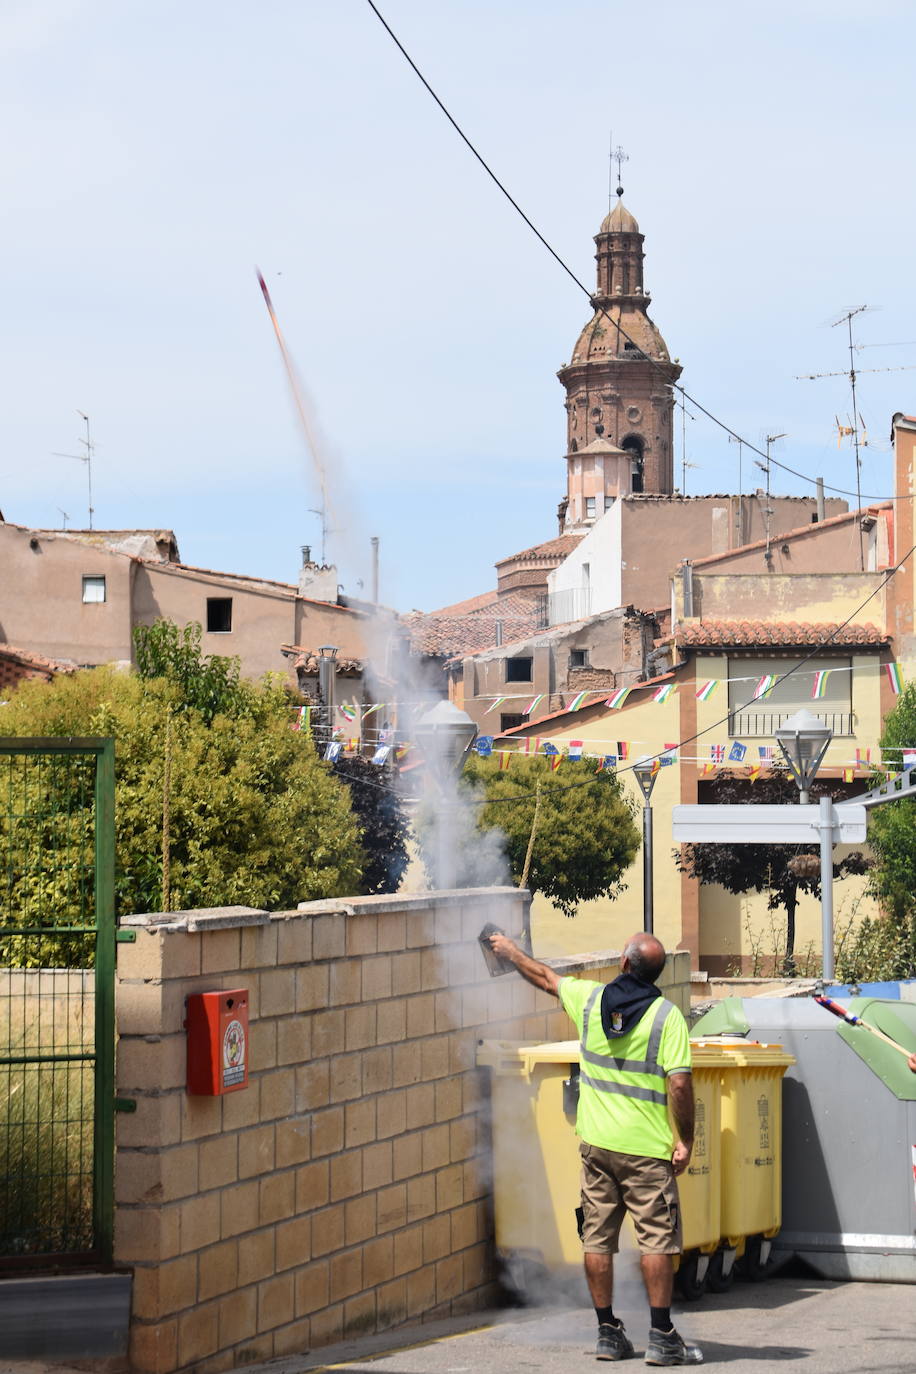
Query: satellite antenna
[86,458]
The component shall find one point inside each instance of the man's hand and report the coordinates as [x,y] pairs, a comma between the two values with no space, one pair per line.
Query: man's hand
[503,946]
[912,1063]
[680,1157]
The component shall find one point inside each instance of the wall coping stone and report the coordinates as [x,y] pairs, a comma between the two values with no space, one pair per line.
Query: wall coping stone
[409,901]
[199,918]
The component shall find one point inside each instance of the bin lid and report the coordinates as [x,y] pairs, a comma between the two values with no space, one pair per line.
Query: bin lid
[725,1018]
[521,1056]
[896,1019]
[739,1054]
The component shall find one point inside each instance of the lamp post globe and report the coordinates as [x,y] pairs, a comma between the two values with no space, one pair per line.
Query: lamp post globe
[803,739]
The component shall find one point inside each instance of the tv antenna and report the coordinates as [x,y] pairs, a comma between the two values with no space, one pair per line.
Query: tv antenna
[64,514]
[739,522]
[768,509]
[322,514]
[86,458]
[684,463]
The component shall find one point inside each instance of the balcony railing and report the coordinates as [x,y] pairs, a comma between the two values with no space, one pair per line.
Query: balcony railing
[572,604]
[761,724]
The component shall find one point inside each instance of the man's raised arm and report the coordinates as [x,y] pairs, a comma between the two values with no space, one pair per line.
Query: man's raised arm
[534,972]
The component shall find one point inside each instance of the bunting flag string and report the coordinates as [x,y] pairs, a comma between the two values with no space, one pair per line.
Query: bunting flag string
[764,686]
[498,702]
[578,701]
[348,712]
[819,690]
[663,693]
[616,700]
[706,691]
[533,705]
[894,677]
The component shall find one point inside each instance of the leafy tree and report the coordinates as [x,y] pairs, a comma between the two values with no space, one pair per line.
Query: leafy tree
[781,870]
[254,817]
[382,822]
[585,839]
[892,834]
[208,684]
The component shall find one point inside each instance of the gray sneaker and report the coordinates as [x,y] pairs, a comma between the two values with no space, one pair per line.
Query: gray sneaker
[613,1343]
[667,1347]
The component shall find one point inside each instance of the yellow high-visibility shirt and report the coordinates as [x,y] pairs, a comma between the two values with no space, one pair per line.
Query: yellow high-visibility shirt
[623,1096]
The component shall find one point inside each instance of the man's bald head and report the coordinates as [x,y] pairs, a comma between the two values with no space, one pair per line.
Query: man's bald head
[644,956]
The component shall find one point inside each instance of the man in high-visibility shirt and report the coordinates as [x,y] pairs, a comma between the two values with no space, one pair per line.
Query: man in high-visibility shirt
[634,1061]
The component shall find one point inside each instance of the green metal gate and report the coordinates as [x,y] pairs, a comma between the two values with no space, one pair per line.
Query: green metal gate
[57,1033]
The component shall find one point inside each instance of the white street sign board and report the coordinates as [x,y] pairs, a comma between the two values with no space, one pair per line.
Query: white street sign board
[750,824]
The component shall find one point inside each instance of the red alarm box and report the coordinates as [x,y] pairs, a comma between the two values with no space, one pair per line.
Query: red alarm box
[217,1026]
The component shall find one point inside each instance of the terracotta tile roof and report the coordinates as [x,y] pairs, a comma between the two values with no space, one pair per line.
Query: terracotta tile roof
[306,660]
[764,632]
[29,659]
[552,548]
[454,636]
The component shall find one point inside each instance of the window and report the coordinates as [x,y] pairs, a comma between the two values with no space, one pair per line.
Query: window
[578,658]
[219,615]
[93,590]
[589,507]
[518,669]
[509,722]
[752,717]
[608,502]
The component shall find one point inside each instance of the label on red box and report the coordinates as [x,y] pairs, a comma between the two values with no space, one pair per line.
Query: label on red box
[235,1050]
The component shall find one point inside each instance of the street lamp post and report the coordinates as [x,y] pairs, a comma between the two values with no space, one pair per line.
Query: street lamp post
[445,735]
[645,771]
[804,739]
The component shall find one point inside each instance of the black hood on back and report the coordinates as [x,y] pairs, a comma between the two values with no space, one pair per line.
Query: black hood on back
[624,1002]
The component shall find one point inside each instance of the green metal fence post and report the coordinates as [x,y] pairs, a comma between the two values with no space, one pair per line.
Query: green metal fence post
[105,953]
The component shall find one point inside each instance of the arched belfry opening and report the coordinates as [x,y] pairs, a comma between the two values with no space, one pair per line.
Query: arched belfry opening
[635,446]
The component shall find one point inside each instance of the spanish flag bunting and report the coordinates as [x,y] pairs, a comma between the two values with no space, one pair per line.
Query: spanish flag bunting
[863,758]
[663,692]
[505,758]
[352,745]
[706,691]
[894,677]
[577,701]
[555,761]
[498,702]
[401,750]
[618,698]
[708,768]
[819,689]
[533,704]
[849,774]
[532,745]
[754,773]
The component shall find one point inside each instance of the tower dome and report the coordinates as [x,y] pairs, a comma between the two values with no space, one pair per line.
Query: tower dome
[618,383]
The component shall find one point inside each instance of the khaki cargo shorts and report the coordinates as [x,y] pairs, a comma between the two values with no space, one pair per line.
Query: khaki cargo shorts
[614,1184]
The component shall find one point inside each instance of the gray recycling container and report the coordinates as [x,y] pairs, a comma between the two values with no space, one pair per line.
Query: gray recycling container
[849,1132]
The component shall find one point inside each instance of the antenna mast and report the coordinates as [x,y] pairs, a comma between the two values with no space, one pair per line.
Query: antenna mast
[86,458]
[768,510]
[848,318]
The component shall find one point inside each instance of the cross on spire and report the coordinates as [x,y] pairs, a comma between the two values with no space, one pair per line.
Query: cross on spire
[620,157]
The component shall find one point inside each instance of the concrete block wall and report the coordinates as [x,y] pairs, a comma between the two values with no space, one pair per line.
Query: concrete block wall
[346,1189]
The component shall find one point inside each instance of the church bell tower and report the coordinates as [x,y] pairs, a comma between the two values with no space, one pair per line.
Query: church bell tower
[619,396]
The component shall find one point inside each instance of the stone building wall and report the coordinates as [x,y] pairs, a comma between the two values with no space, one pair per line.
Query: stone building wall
[346,1188]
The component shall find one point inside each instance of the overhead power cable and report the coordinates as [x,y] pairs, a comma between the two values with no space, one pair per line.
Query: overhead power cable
[803,476]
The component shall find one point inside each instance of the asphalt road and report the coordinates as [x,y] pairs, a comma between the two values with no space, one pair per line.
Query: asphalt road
[799,1324]
[808,1325]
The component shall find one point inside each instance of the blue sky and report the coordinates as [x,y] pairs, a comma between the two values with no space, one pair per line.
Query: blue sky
[155,152]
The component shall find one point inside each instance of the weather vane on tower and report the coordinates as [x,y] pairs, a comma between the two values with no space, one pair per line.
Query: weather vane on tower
[620,157]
